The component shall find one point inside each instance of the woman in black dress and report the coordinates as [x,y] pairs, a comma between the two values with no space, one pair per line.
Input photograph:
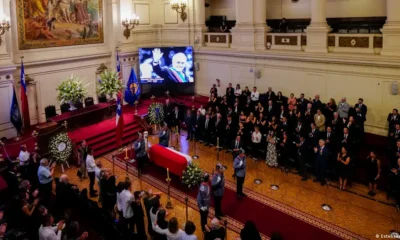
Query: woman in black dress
[284,152]
[109,192]
[373,172]
[343,167]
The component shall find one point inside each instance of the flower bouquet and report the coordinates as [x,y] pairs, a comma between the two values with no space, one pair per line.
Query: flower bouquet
[109,83]
[71,91]
[192,176]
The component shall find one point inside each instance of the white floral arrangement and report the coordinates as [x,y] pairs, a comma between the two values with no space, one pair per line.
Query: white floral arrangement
[60,147]
[156,113]
[71,90]
[109,83]
[192,176]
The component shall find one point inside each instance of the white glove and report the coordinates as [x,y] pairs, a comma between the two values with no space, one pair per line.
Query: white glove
[203,209]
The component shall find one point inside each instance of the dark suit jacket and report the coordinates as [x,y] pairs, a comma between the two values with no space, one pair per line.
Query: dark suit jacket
[392,122]
[233,146]
[304,149]
[230,93]
[220,128]
[271,113]
[302,104]
[332,140]
[270,96]
[363,108]
[168,74]
[210,127]
[322,157]
[317,104]
[314,137]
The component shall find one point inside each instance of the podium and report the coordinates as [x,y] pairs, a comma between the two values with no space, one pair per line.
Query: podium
[45,132]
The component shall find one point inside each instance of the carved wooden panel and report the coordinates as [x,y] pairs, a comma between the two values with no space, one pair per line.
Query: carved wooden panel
[378,42]
[217,38]
[286,40]
[230,38]
[206,38]
[303,40]
[331,41]
[354,42]
[268,43]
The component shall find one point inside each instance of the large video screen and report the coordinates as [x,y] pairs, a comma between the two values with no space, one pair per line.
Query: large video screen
[166,65]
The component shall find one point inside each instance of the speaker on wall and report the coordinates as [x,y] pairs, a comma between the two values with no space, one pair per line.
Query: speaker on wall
[197,66]
[257,74]
[394,88]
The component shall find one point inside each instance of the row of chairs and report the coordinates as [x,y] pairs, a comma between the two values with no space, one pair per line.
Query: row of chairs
[50,111]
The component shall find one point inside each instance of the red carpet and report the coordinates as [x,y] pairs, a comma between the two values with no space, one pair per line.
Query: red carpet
[267,219]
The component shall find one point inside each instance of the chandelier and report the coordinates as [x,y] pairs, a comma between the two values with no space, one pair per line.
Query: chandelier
[180,7]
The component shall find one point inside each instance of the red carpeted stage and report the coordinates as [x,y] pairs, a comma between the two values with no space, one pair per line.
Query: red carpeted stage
[269,215]
[101,136]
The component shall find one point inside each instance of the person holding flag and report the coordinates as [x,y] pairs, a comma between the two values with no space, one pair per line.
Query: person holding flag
[132,90]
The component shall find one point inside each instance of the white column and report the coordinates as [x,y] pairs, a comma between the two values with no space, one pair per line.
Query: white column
[391,29]
[243,34]
[261,28]
[199,21]
[317,32]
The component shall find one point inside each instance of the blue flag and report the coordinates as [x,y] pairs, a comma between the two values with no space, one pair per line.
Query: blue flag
[132,90]
[15,114]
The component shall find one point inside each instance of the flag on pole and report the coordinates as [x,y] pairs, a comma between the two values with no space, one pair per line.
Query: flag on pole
[24,99]
[132,90]
[15,114]
[119,117]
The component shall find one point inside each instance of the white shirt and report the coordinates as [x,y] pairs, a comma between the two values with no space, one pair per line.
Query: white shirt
[254,96]
[202,111]
[125,199]
[256,137]
[170,236]
[90,164]
[153,217]
[97,172]
[49,233]
[24,158]
[238,92]
[119,205]
[184,236]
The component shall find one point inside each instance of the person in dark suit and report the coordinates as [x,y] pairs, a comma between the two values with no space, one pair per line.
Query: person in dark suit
[188,121]
[140,149]
[163,136]
[236,145]
[219,127]
[346,139]
[285,147]
[270,95]
[360,119]
[313,135]
[168,107]
[302,103]
[285,127]
[208,130]
[214,90]
[363,108]
[336,124]
[316,103]
[393,118]
[174,74]
[198,125]
[230,131]
[322,156]
[230,94]
[309,114]
[270,110]
[176,119]
[300,130]
[303,150]
[237,107]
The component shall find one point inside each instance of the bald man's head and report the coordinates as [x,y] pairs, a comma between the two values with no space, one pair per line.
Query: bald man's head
[179,61]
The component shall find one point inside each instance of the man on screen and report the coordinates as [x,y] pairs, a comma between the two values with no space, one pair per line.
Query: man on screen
[172,74]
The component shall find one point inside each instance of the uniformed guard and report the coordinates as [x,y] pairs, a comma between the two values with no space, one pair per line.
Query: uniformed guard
[163,136]
[218,187]
[203,200]
[140,150]
[239,164]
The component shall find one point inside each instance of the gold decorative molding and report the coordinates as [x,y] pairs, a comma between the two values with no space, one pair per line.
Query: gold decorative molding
[286,40]
[378,42]
[218,39]
[101,68]
[303,40]
[331,41]
[354,42]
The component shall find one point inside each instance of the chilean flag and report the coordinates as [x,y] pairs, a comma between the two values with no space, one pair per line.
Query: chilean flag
[119,117]
[24,100]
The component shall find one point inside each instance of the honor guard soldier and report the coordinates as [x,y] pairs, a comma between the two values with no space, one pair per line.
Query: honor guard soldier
[218,187]
[239,165]
[163,136]
[203,200]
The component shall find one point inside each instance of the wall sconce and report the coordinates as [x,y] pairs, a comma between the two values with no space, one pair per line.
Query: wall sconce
[130,24]
[4,26]
[180,7]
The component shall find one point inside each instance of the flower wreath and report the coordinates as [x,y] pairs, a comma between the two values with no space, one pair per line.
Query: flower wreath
[156,113]
[60,147]
[192,176]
